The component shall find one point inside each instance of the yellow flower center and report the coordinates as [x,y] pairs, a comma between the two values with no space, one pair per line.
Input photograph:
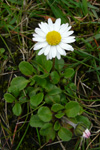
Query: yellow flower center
[53,38]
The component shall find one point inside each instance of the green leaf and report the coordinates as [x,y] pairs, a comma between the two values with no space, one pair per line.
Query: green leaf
[55,77]
[44,130]
[17,110]
[26,68]
[19,83]
[2,50]
[57,126]
[68,72]
[57,107]
[72,109]
[63,99]
[71,88]
[59,115]
[35,121]
[9,98]
[85,7]
[18,2]
[57,12]
[48,131]
[59,64]
[64,134]
[36,99]
[44,114]
[14,90]
[40,81]
[84,120]
[44,64]
[50,99]
[55,90]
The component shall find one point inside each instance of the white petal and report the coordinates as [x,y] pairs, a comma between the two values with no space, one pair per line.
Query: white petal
[41,51]
[57,24]
[50,55]
[70,39]
[60,50]
[66,46]
[54,51]
[40,45]
[58,55]
[67,33]
[47,49]
[39,39]
[43,27]
[50,23]
[63,28]
[40,32]
[47,57]
[68,28]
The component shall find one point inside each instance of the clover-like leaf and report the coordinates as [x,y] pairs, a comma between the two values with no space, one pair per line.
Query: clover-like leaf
[44,64]
[17,109]
[36,99]
[35,121]
[64,134]
[44,114]
[55,77]
[26,68]
[60,114]
[41,81]
[57,126]
[19,83]
[69,72]
[59,64]
[56,107]
[9,98]
[51,99]
[48,131]
[72,109]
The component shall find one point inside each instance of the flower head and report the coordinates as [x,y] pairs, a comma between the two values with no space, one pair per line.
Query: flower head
[86,134]
[81,130]
[53,39]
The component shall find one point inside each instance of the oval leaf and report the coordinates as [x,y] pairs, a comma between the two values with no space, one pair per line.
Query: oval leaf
[44,64]
[45,114]
[83,120]
[19,83]
[9,98]
[48,131]
[51,99]
[55,77]
[57,126]
[65,134]
[59,115]
[26,68]
[57,107]
[69,72]
[72,109]
[36,99]
[35,121]
[17,109]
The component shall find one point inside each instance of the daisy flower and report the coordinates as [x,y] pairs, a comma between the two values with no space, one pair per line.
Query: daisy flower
[53,39]
[86,134]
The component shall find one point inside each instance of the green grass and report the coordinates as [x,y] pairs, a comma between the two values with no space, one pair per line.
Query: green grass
[18,19]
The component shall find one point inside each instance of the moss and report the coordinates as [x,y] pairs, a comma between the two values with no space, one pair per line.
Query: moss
[85,29]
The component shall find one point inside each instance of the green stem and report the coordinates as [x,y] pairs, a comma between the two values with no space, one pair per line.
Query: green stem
[8,48]
[22,137]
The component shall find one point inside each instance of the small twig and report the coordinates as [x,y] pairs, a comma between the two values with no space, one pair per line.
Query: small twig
[96,42]
[15,130]
[61,144]
[92,141]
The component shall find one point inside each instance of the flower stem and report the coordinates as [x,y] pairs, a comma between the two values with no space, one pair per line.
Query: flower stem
[64,119]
